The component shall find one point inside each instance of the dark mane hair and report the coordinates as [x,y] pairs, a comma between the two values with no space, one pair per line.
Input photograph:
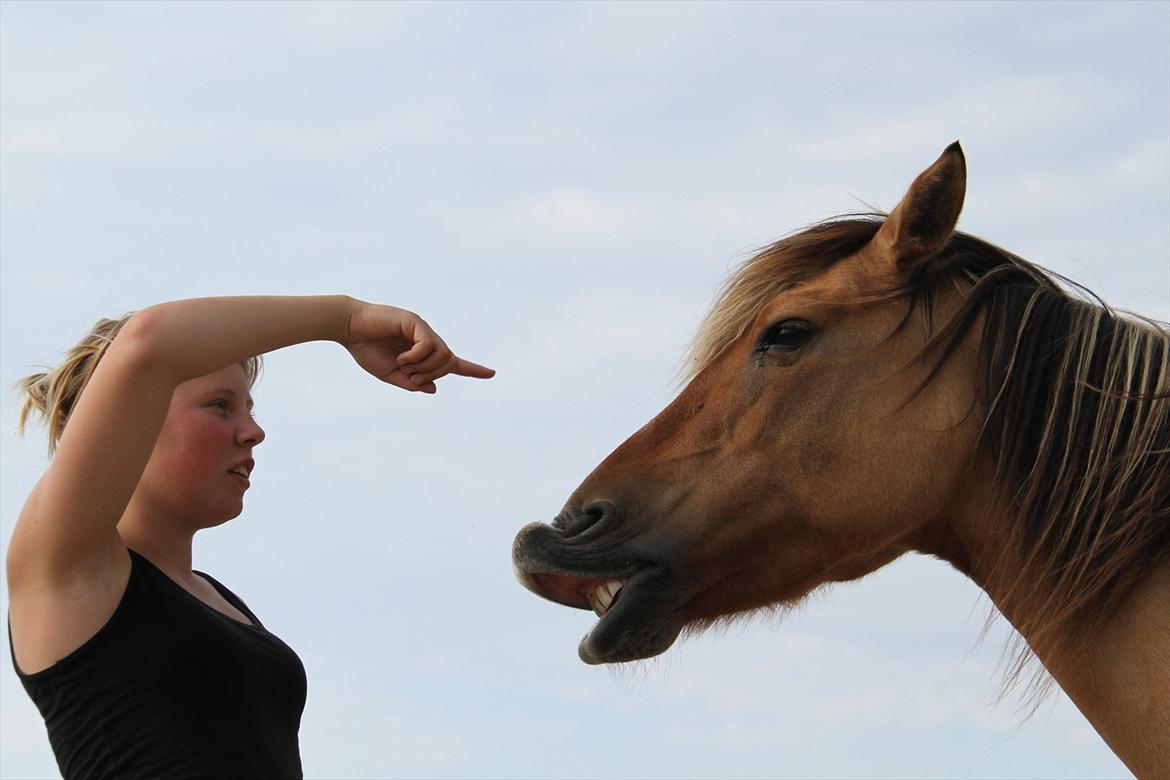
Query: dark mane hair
[1077,418]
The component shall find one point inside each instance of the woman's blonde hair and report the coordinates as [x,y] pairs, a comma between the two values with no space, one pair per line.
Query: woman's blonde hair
[53,393]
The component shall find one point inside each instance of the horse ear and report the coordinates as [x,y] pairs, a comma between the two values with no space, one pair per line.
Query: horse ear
[924,220]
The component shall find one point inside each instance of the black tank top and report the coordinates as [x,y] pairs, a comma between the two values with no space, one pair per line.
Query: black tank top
[171,688]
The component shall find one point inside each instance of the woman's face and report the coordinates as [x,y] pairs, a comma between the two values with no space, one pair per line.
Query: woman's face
[200,466]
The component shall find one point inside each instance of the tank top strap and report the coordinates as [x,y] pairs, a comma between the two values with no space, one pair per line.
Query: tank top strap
[232,598]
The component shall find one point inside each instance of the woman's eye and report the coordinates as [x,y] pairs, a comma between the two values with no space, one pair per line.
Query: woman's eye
[787,336]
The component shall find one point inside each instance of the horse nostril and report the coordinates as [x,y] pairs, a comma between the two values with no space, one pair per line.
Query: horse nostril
[605,510]
[594,513]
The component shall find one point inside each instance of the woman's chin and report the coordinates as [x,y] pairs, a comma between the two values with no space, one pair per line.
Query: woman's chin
[223,514]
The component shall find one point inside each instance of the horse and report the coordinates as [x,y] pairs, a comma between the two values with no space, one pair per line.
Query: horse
[882,384]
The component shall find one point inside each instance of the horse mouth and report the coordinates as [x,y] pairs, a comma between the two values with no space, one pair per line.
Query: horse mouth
[597,593]
[638,616]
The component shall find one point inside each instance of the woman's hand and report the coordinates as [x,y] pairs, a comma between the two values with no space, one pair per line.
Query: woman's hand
[397,346]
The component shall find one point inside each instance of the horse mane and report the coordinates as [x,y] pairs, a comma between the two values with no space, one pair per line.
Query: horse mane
[1077,419]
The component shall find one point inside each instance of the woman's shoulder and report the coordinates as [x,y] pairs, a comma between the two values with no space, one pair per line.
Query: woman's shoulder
[54,623]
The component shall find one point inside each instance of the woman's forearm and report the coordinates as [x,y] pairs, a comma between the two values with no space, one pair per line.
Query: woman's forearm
[190,338]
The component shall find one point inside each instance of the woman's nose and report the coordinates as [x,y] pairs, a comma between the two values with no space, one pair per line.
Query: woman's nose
[251,434]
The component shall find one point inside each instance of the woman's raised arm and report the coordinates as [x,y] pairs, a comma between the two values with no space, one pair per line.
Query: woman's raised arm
[67,527]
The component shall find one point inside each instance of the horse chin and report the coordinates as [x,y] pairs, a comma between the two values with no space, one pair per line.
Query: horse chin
[643,623]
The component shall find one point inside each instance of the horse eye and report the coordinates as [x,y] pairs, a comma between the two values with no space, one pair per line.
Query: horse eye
[788,336]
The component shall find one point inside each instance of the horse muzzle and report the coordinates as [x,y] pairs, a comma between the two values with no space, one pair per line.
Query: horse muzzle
[570,562]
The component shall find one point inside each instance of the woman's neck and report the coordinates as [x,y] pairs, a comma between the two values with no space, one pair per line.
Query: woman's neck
[167,546]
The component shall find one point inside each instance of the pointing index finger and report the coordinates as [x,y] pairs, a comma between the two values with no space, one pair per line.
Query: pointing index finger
[475,370]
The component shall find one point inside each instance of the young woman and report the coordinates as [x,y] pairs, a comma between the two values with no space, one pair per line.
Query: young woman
[141,666]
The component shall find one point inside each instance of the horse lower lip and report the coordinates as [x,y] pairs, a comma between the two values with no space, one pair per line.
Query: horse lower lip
[642,625]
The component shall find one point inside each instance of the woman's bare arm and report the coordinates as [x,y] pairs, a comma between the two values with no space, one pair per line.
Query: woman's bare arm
[67,527]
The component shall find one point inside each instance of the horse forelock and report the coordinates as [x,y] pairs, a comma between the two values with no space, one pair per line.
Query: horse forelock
[775,268]
[1077,417]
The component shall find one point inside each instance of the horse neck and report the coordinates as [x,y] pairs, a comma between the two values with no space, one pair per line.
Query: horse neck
[1120,679]
[1122,682]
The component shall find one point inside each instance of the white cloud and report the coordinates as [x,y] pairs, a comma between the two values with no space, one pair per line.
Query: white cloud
[566,211]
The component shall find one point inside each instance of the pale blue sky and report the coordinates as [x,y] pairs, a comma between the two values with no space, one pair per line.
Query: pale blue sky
[559,189]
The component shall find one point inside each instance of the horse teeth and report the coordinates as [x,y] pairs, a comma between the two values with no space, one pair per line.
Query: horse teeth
[603,595]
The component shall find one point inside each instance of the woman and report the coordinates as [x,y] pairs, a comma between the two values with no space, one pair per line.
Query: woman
[141,666]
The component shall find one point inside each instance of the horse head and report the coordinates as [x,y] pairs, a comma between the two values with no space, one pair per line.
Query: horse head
[813,443]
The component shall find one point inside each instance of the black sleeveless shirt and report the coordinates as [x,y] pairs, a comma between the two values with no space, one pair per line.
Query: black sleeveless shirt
[171,688]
